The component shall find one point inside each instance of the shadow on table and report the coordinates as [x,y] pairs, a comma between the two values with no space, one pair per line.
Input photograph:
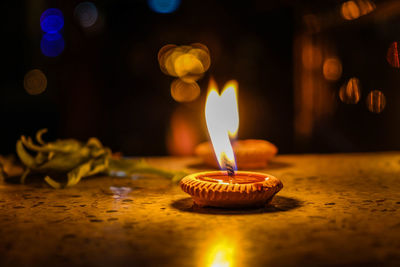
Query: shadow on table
[278,204]
[273,165]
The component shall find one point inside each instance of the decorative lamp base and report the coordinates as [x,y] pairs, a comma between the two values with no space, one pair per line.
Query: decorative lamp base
[244,189]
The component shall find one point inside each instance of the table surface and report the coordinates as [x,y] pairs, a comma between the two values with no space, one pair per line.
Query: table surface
[339,209]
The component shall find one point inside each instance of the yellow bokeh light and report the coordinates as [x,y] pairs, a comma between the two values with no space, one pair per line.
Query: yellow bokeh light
[350,92]
[35,82]
[186,62]
[332,69]
[202,56]
[201,46]
[170,61]
[163,55]
[183,91]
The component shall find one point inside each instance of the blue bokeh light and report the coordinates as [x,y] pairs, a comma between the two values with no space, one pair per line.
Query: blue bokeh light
[52,20]
[52,44]
[164,6]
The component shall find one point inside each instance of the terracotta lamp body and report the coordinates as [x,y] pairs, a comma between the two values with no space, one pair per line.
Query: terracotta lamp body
[244,189]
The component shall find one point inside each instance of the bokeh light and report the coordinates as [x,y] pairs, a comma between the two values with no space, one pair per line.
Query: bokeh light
[350,92]
[203,55]
[183,91]
[52,20]
[52,44]
[376,101]
[351,10]
[189,67]
[163,55]
[332,69]
[183,135]
[35,82]
[366,6]
[170,61]
[311,56]
[86,13]
[188,62]
[393,55]
[164,6]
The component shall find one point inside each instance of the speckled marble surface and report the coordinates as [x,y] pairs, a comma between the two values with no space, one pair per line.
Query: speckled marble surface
[340,209]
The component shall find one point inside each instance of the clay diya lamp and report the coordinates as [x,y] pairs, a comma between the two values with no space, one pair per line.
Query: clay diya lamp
[228,188]
[218,189]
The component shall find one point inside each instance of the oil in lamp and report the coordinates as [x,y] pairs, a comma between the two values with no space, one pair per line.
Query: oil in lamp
[228,188]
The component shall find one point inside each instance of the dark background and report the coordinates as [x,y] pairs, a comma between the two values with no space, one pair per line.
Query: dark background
[107,82]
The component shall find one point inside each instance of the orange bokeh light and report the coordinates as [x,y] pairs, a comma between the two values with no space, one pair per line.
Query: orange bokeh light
[35,82]
[183,135]
[393,55]
[350,92]
[332,69]
[351,10]
[376,101]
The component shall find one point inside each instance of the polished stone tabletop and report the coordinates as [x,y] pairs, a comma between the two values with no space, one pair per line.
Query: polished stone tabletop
[340,209]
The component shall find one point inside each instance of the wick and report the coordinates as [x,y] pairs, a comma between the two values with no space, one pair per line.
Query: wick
[230,170]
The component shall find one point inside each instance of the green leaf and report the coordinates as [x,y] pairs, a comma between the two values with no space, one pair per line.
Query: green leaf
[52,183]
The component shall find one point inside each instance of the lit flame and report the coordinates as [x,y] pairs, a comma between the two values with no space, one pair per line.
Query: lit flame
[222,117]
